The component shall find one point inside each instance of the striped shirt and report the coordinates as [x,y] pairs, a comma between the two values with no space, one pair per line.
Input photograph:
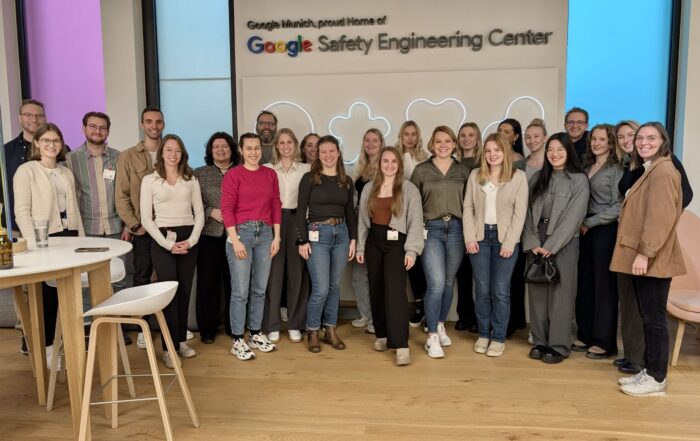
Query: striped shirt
[94,188]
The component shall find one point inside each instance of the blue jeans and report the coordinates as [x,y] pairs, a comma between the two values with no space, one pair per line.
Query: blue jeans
[442,256]
[492,275]
[249,276]
[329,255]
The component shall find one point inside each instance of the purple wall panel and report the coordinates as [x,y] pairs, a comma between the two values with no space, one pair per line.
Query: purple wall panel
[66,68]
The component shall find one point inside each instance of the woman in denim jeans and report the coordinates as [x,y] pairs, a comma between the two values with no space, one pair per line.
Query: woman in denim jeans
[495,205]
[327,240]
[441,182]
[252,212]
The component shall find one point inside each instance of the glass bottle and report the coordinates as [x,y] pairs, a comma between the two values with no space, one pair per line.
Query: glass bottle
[6,258]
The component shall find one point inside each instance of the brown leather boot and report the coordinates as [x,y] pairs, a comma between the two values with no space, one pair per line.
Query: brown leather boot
[314,344]
[331,338]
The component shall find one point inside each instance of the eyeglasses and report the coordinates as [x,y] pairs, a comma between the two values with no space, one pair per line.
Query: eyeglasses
[267,123]
[46,142]
[33,115]
[96,127]
[576,123]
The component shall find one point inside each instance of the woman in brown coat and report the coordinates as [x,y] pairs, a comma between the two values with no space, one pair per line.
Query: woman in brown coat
[647,248]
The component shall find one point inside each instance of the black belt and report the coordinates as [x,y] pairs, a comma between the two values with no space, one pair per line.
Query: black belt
[289,210]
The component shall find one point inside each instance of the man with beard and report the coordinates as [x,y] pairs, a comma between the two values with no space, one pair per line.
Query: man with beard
[266,127]
[576,124]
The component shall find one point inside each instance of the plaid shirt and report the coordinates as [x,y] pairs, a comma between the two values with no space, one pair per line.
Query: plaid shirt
[94,191]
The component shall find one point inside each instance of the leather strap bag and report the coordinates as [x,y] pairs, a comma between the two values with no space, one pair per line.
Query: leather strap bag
[540,270]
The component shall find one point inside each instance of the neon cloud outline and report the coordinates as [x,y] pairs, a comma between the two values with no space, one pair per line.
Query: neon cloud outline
[434,104]
[293,104]
[347,116]
[524,97]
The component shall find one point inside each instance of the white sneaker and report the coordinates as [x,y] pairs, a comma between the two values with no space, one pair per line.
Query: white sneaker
[645,386]
[260,341]
[186,351]
[442,335]
[425,328]
[481,345]
[295,336]
[530,339]
[432,345]
[496,349]
[622,381]
[168,360]
[189,335]
[274,336]
[370,328]
[380,345]
[361,322]
[141,341]
[283,314]
[241,350]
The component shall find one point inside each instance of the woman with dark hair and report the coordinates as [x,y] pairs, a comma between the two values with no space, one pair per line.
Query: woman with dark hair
[309,148]
[221,154]
[558,201]
[596,300]
[514,133]
[44,189]
[252,211]
[647,248]
[441,182]
[390,237]
[287,273]
[326,238]
[172,194]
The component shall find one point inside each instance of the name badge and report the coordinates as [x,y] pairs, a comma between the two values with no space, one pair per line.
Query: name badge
[425,234]
[313,236]
[392,235]
[171,236]
[109,174]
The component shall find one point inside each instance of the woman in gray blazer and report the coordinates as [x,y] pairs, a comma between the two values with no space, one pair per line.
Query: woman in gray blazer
[558,201]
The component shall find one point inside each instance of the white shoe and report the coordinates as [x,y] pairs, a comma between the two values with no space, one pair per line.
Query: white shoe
[189,335]
[260,341]
[622,381]
[295,336]
[481,345]
[49,355]
[432,345]
[370,328]
[403,357]
[530,339]
[645,386]
[283,314]
[141,341]
[168,360]
[186,351]
[380,345]
[274,336]
[361,322]
[241,349]
[442,335]
[496,349]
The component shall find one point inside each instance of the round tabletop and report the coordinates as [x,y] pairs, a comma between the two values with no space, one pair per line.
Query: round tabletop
[61,254]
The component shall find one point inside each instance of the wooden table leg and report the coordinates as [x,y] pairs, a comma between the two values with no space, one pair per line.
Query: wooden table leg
[38,343]
[70,304]
[24,318]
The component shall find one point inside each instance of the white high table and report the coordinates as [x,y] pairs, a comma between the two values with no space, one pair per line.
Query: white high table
[59,261]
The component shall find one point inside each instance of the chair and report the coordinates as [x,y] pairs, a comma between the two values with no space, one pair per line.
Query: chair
[128,306]
[118,272]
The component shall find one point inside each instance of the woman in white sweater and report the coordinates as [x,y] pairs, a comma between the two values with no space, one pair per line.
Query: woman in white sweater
[44,189]
[173,195]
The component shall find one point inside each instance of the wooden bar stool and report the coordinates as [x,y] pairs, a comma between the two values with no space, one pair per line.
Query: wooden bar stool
[128,306]
[118,272]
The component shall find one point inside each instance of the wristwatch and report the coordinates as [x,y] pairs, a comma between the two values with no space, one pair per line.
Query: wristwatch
[135,228]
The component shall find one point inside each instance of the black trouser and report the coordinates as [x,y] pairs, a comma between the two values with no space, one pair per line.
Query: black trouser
[596,298]
[652,295]
[517,294]
[180,268]
[212,276]
[416,277]
[49,296]
[631,327]
[387,286]
[143,263]
[465,300]
[287,271]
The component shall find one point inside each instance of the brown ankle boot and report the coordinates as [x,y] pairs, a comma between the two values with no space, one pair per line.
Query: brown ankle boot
[314,345]
[331,338]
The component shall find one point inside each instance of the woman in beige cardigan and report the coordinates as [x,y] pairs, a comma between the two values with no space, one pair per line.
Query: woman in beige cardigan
[45,189]
[495,205]
[647,248]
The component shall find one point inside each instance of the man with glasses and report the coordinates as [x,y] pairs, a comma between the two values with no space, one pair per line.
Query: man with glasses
[266,127]
[576,124]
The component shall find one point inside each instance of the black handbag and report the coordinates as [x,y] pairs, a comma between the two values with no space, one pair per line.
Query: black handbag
[540,270]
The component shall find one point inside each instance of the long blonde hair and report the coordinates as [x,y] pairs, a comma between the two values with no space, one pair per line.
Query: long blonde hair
[396,190]
[507,166]
[479,145]
[418,154]
[367,168]
[296,157]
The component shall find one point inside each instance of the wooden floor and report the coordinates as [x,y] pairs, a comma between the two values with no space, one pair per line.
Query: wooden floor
[292,394]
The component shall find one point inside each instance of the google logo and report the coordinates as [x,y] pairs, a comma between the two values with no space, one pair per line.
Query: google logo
[256,45]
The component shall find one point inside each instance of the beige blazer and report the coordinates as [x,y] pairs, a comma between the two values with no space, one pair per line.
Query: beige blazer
[35,196]
[511,209]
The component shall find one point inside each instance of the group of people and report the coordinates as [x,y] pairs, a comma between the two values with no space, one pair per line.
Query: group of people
[601,205]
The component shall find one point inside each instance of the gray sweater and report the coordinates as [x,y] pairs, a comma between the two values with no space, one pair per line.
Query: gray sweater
[604,204]
[409,222]
[210,179]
